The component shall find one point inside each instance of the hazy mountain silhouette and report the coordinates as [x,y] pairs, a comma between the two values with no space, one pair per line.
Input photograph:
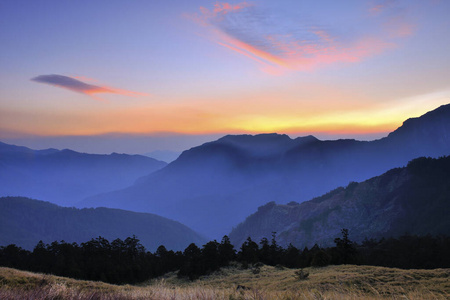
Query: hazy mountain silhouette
[164,155]
[25,221]
[214,186]
[66,176]
[414,199]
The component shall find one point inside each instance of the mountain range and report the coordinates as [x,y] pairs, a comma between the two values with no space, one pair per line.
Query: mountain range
[410,200]
[25,222]
[213,187]
[65,176]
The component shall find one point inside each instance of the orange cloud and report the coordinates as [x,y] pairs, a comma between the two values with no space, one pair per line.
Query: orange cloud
[78,86]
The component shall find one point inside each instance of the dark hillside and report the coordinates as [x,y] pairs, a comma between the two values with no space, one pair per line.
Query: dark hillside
[414,199]
[25,221]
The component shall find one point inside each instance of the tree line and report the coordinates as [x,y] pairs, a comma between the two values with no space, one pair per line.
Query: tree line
[127,261]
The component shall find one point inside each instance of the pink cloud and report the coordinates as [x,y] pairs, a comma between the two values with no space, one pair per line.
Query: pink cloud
[380,6]
[395,24]
[227,7]
[277,48]
[223,8]
[220,9]
[297,55]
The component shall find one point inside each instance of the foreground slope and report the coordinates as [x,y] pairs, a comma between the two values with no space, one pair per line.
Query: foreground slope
[333,282]
[214,186]
[25,221]
[414,199]
[66,176]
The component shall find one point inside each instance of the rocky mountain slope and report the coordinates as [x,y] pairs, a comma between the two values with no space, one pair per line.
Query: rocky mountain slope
[413,199]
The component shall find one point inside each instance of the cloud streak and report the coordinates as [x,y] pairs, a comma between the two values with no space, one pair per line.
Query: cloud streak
[79,86]
[279,44]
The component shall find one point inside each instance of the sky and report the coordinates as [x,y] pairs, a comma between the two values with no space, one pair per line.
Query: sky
[138,76]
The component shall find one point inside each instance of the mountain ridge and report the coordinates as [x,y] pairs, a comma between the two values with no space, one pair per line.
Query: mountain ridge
[66,176]
[216,185]
[25,222]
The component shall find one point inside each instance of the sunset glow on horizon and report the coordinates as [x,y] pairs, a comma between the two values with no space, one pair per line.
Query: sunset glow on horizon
[201,67]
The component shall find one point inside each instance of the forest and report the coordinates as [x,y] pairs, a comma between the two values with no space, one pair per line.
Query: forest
[127,261]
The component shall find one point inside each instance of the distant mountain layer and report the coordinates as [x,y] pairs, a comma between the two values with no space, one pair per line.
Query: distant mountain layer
[213,187]
[25,221]
[164,155]
[414,199]
[66,176]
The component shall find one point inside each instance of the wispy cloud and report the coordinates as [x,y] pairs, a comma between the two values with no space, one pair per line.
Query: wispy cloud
[380,6]
[279,44]
[79,86]
[221,9]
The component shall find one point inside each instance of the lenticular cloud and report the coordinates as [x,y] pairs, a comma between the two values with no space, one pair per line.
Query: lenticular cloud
[80,86]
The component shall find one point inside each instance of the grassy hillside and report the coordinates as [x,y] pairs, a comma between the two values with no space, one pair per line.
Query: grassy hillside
[336,282]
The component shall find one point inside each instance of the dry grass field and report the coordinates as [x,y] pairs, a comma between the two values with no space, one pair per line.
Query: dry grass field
[333,282]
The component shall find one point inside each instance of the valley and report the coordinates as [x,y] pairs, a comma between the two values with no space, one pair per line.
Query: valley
[216,188]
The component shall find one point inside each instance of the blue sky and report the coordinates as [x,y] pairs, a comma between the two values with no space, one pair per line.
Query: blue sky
[185,71]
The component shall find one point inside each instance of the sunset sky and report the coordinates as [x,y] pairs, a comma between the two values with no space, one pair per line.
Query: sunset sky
[177,73]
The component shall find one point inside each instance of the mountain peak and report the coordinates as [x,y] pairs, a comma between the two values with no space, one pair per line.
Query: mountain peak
[214,186]
[428,129]
[306,139]
[260,145]
[442,112]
